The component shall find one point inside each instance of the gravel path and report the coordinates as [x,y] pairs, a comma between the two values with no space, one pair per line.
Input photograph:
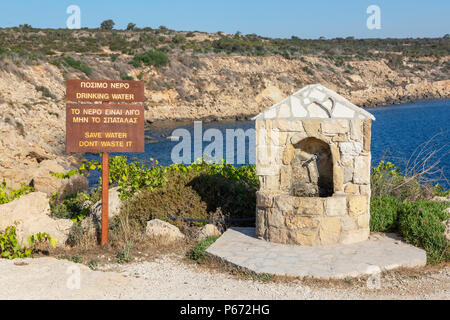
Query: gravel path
[170,278]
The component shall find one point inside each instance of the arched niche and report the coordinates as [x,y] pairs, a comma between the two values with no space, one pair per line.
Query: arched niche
[312,169]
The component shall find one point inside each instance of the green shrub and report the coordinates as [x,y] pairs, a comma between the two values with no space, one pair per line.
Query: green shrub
[8,194]
[420,223]
[154,58]
[124,76]
[198,253]
[83,67]
[10,248]
[73,207]
[384,214]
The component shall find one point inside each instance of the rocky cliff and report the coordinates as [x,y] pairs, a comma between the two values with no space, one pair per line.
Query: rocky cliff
[190,85]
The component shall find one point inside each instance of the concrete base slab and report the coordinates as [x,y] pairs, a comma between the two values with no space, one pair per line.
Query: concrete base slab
[240,247]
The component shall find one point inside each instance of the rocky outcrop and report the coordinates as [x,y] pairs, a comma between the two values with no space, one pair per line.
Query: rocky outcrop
[163,232]
[31,212]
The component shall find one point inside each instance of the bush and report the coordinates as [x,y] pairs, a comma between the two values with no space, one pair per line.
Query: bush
[83,67]
[8,194]
[420,223]
[384,214]
[198,253]
[10,248]
[154,58]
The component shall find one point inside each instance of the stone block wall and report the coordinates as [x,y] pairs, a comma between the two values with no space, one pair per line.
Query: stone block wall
[285,218]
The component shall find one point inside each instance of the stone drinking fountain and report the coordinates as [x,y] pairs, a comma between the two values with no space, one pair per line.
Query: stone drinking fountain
[313,163]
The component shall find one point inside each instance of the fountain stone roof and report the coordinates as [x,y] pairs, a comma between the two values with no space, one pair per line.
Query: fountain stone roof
[314,102]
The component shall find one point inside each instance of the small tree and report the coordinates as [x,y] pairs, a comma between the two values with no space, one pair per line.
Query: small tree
[107,25]
[131,26]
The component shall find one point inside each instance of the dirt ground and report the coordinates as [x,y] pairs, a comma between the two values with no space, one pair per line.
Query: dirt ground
[168,273]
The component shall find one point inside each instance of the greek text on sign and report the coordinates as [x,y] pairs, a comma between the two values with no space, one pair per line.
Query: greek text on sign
[104,128]
[104,90]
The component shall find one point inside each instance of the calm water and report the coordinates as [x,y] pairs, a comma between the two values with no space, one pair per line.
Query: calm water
[397,132]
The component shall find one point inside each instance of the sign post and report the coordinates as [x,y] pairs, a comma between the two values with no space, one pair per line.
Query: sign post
[104,128]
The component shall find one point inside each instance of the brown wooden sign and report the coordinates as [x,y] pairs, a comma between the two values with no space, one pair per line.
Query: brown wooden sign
[99,128]
[104,90]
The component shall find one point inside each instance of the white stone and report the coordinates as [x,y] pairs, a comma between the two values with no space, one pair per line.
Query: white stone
[315,111]
[32,211]
[316,94]
[351,148]
[207,231]
[159,230]
[115,204]
[361,174]
[297,109]
[340,111]
[284,111]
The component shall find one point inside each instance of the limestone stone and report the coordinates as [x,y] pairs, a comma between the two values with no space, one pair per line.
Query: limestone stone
[335,153]
[356,130]
[264,200]
[341,111]
[284,202]
[363,220]
[269,182]
[260,222]
[348,223]
[305,238]
[115,204]
[348,173]
[364,189]
[260,124]
[338,178]
[339,138]
[300,222]
[275,218]
[316,111]
[357,205]
[277,235]
[329,231]
[309,206]
[362,170]
[351,188]
[286,178]
[335,126]
[336,206]
[288,154]
[43,181]
[312,127]
[296,138]
[284,111]
[209,230]
[31,211]
[282,125]
[297,126]
[164,232]
[351,148]
[367,134]
[354,236]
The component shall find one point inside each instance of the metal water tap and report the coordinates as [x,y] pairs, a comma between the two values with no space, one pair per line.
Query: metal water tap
[313,158]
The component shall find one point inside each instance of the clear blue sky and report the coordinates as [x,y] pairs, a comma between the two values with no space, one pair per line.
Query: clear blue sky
[282,18]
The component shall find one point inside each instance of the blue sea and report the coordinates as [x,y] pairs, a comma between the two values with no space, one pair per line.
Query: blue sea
[400,133]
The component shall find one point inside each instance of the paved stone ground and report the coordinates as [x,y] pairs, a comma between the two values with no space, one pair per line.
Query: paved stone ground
[240,247]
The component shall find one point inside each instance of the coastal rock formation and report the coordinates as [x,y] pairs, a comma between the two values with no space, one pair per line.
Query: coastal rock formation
[31,212]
